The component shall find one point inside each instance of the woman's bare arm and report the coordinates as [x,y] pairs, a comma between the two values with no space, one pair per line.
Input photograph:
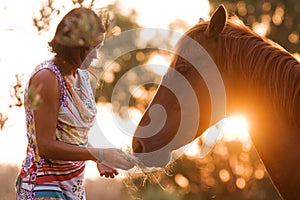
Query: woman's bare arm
[45,117]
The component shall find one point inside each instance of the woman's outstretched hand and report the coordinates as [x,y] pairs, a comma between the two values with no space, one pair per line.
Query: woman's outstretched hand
[116,158]
[106,171]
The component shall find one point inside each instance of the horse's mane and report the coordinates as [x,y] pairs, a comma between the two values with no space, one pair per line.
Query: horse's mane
[262,62]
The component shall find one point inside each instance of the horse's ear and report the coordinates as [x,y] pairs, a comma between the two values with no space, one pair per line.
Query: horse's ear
[201,20]
[217,22]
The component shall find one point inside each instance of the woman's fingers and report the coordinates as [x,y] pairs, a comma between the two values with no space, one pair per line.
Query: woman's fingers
[106,171]
[108,174]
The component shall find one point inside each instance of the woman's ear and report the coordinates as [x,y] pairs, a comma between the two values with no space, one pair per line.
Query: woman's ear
[217,22]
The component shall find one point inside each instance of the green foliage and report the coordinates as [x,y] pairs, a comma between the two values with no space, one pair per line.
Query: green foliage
[281,17]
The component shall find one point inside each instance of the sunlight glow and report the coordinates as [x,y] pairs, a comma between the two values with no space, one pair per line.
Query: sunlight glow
[181,180]
[240,183]
[159,64]
[224,175]
[294,37]
[259,173]
[24,35]
[24,49]
[297,56]
[236,128]
[190,150]
[261,28]
[229,129]
[160,14]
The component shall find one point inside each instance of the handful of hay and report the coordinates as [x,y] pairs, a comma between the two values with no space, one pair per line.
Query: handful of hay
[140,171]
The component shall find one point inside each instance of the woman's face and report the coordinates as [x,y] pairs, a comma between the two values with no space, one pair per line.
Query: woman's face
[87,54]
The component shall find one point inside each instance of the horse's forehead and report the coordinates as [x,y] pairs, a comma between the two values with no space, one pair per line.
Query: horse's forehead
[190,50]
[185,46]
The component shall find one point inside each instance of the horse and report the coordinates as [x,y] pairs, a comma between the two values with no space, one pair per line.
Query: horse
[261,80]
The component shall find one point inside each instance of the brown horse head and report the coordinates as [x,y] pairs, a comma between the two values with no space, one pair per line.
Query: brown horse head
[181,110]
[221,68]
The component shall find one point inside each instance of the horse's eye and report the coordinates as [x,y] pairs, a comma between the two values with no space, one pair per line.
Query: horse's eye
[183,69]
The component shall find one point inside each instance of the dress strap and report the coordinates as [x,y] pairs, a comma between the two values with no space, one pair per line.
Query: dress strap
[62,85]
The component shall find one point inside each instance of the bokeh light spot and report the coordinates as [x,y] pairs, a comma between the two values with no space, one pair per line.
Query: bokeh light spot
[240,183]
[181,180]
[224,175]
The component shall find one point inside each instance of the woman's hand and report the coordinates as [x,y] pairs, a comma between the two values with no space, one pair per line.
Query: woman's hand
[116,159]
[106,171]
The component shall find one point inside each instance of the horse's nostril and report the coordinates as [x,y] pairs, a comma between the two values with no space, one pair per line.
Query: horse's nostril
[137,147]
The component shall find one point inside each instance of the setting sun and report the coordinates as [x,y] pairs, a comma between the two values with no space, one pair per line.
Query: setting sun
[233,128]
[236,128]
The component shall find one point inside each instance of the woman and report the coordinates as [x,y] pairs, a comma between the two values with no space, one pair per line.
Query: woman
[60,110]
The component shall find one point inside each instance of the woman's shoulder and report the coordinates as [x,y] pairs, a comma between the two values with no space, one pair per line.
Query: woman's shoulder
[48,65]
[46,74]
[45,71]
[44,77]
[44,84]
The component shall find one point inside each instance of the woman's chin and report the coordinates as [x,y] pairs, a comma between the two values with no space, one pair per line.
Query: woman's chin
[86,63]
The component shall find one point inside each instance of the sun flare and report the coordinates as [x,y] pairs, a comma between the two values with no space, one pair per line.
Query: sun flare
[236,128]
[233,128]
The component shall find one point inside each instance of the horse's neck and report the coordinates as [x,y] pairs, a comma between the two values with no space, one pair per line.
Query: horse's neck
[277,143]
[267,73]
[276,139]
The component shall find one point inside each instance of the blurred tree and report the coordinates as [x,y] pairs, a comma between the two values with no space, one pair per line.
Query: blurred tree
[46,13]
[17,92]
[3,119]
[123,64]
[112,74]
[279,20]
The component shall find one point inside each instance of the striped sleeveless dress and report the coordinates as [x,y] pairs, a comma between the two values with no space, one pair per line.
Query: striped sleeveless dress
[41,178]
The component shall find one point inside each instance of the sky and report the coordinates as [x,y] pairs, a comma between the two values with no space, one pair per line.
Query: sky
[22,49]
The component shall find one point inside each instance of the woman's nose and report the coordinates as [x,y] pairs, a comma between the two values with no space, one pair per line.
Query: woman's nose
[93,53]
